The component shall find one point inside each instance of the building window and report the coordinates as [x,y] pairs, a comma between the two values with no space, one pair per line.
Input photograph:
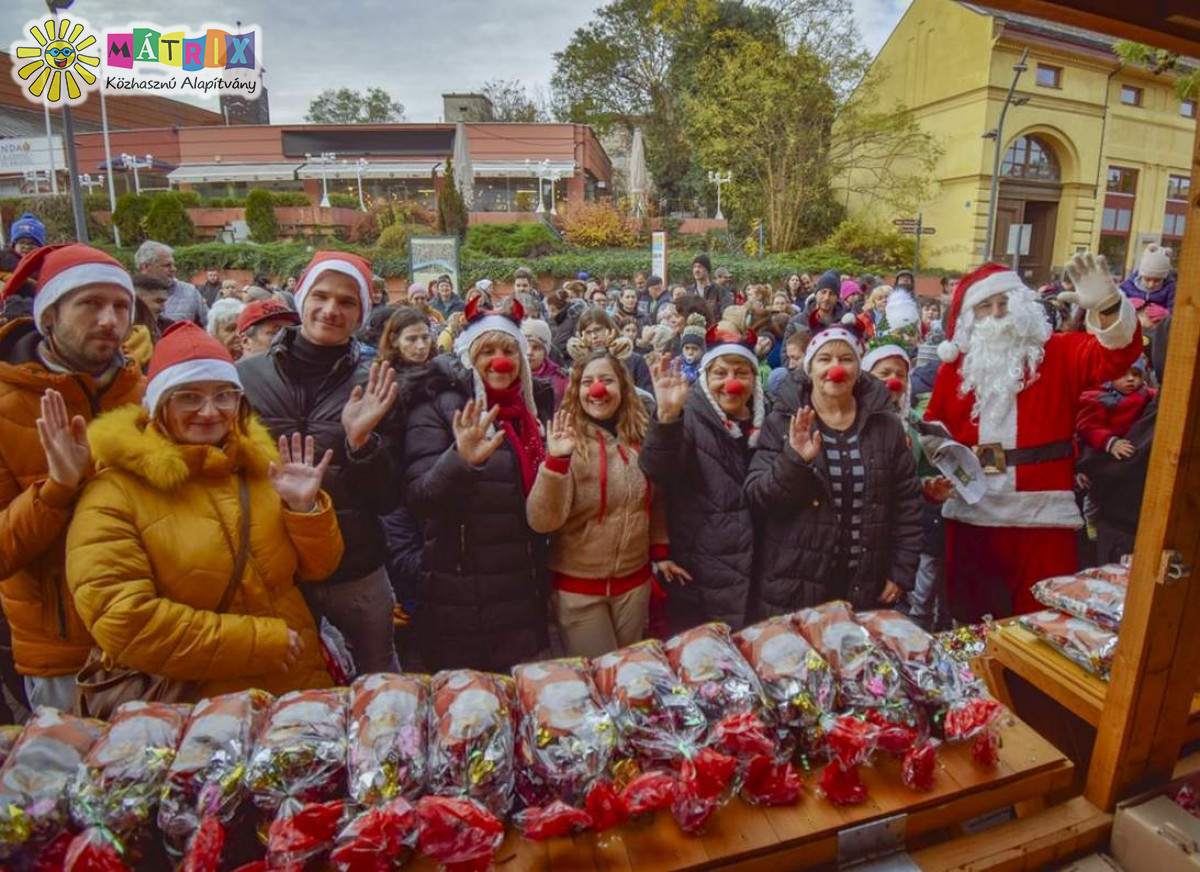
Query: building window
[1030,158]
[1131,96]
[1048,76]
[1173,225]
[1178,188]
[1122,181]
[1116,220]
[1187,108]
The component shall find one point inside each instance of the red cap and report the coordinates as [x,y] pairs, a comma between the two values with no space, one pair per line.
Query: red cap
[185,353]
[264,310]
[61,269]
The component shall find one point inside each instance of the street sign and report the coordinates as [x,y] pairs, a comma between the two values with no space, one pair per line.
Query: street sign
[905,222]
[918,231]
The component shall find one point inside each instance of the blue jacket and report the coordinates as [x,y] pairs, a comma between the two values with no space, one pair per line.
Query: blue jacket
[1164,296]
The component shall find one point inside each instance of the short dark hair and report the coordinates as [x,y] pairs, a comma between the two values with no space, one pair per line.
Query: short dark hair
[445,277]
[653,281]
[523,273]
[703,260]
[690,304]
[143,282]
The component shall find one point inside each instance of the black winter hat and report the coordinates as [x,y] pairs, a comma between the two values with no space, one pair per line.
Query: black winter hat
[703,260]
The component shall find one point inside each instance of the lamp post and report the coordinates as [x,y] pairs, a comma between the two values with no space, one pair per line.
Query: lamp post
[554,177]
[325,158]
[135,163]
[87,180]
[361,164]
[998,134]
[719,180]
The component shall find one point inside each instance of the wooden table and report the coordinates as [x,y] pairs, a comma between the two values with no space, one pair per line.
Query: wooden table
[745,837]
[1012,648]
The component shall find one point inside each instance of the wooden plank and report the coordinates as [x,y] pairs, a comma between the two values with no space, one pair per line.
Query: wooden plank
[1154,673]
[1141,22]
[1029,843]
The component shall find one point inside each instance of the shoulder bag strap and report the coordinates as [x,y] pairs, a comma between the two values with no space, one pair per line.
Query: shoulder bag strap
[243,548]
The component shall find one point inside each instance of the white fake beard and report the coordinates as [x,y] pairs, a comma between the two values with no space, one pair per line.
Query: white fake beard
[1002,357]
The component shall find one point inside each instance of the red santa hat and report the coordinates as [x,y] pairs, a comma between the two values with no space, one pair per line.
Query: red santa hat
[723,343]
[61,269]
[343,262]
[184,354]
[972,289]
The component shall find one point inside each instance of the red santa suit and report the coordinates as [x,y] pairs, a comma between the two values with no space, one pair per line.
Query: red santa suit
[1024,528]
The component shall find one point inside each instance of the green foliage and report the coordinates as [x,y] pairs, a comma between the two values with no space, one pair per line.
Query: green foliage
[343,201]
[260,217]
[167,221]
[1159,61]
[879,245]
[395,237]
[512,240]
[130,218]
[452,218]
[348,106]
[56,213]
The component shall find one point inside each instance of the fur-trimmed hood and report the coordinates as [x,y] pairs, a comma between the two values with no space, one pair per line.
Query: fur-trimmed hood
[126,439]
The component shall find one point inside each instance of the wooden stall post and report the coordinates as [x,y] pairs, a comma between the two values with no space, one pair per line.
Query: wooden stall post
[1157,662]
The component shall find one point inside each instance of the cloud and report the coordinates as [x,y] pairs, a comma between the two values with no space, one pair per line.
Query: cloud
[413,49]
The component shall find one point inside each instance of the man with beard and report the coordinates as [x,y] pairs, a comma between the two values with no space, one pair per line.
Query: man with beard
[1010,390]
[58,371]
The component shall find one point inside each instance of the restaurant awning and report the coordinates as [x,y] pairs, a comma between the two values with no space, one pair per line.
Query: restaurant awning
[264,172]
[522,169]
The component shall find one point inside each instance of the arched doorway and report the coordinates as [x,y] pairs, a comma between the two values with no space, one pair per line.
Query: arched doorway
[1030,188]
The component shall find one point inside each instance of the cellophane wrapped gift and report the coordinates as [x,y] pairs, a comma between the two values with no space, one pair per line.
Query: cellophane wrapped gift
[472,737]
[957,704]
[565,745]
[1078,640]
[300,755]
[964,643]
[205,783]
[389,721]
[116,791]
[35,778]
[1096,595]
[732,698]
[378,840]
[797,681]
[868,681]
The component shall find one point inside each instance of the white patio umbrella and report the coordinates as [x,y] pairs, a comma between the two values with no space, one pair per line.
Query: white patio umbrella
[639,175]
[464,173]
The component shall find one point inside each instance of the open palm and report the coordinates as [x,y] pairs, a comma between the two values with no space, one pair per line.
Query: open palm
[296,478]
[670,388]
[64,439]
[368,404]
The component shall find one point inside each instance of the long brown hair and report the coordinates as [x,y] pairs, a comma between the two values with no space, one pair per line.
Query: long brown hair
[632,418]
[403,317]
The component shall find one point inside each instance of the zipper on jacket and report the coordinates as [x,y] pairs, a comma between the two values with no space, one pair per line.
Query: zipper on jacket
[462,546]
[60,606]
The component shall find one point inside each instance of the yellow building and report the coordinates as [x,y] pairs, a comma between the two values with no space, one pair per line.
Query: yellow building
[1096,156]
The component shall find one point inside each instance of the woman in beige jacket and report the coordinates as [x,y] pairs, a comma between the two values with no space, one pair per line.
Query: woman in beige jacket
[607,526]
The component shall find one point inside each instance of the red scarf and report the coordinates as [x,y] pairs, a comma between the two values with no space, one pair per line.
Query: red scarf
[522,430]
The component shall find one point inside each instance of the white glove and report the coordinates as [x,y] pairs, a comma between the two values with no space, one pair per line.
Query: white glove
[1094,287]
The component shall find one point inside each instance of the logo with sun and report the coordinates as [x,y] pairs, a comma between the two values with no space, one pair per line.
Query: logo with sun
[56,70]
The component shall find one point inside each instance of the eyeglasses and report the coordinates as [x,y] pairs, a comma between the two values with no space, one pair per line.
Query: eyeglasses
[190,402]
[56,52]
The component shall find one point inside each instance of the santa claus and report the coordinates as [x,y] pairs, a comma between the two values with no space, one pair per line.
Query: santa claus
[1010,391]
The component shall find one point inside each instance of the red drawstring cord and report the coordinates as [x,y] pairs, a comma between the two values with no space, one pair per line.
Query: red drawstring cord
[603,477]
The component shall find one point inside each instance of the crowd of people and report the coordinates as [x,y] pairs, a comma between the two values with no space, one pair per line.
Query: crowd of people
[226,488]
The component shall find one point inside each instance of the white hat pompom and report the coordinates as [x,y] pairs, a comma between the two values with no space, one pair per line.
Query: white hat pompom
[948,351]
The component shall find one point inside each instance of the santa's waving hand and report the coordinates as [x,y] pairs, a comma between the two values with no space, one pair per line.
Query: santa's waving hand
[1010,390]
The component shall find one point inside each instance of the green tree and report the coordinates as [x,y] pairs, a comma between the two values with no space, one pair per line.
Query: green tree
[451,210]
[130,217]
[260,216]
[168,222]
[348,106]
[773,116]
[1159,61]
[512,102]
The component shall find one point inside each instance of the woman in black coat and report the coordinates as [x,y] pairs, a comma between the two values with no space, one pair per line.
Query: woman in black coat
[472,444]
[834,486]
[698,451]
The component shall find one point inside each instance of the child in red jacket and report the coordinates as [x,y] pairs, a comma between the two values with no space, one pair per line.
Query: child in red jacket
[1106,415]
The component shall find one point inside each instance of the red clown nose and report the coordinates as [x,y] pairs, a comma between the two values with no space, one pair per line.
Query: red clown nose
[894,385]
[501,365]
[733,388]
[836,374]
[597,391]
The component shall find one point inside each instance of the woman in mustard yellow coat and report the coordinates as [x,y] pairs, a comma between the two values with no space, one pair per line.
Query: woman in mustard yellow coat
[153,543]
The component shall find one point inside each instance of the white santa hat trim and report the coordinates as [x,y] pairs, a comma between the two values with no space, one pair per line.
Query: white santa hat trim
[344,267]
[883,352]
[75,277]
[187,372]
[759,410]
[1001,282]
[832,334]
[476,331]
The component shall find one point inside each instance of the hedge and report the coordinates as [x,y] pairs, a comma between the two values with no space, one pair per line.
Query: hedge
[283,259]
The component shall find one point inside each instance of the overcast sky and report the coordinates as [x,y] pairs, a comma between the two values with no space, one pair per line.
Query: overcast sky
[415,49]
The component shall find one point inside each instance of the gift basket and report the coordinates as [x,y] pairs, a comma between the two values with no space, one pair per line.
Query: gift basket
[796,680]
[472,737]
[300,755]
[731,697]
[565,744]
[1078,640]
[1096,595]
[114,797]
[956,702]
[204,784]
[35,778]
[389,720]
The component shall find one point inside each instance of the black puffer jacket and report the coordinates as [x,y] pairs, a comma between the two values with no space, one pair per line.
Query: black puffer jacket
[362,486]
[483,579]
[702,470]
[799,525]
